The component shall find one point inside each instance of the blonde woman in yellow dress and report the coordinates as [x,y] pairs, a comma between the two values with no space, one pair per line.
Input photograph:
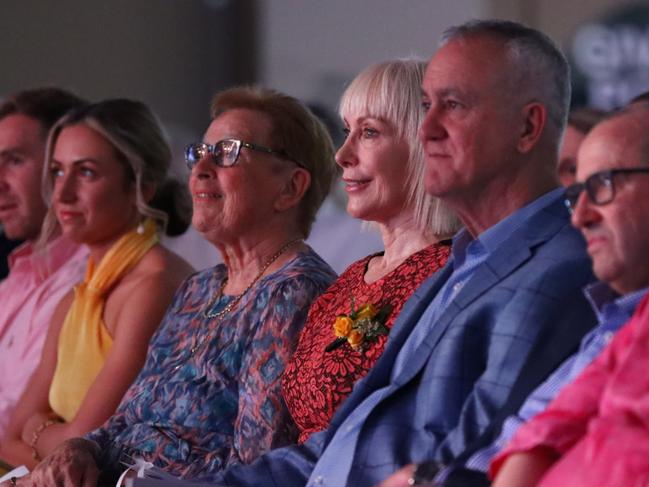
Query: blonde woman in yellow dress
[107,165]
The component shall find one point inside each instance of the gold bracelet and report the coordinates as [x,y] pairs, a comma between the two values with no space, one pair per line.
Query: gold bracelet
[37,433]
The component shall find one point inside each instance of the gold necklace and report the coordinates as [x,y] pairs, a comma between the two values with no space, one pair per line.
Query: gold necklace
[230,306]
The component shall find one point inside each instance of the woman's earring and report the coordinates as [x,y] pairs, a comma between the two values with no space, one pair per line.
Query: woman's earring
[140,228]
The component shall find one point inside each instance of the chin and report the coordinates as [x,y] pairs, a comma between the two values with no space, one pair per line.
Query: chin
[362,208]
[13,233]
[432,186]
[357,213]
[200,225]
[206,228]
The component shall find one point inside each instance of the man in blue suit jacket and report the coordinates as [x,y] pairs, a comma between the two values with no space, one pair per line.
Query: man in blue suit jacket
[476,338]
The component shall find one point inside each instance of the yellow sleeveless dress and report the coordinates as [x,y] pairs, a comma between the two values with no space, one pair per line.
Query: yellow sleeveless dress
[84,341]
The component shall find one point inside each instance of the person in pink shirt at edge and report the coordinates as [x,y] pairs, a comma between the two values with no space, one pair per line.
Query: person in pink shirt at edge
[38,277]
[596,432]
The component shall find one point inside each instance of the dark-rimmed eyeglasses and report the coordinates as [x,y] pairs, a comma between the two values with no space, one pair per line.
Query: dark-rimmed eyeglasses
[225,153]
[599,187]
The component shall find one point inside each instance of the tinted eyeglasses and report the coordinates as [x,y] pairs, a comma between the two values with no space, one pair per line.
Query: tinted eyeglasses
[225,153]
[599,187]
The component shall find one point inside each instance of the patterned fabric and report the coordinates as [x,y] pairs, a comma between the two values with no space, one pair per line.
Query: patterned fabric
[315,381]
[598,423]
[37,282]
[522,300]
[194,414]
[84,341]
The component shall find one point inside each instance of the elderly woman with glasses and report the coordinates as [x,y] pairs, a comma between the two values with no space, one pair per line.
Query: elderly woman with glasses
[209,394]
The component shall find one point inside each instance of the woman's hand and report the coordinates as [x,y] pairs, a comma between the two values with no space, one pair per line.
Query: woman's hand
[71,464]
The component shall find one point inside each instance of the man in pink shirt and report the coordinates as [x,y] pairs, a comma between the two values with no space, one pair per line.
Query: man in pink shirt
[39,276]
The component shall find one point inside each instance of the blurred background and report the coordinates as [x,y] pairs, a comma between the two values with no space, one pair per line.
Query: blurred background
[175,54]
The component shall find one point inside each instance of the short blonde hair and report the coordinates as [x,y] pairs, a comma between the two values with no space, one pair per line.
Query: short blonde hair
[297,132]
[391,91]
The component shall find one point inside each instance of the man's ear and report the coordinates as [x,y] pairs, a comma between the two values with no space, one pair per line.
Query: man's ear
[294,189]
[534,116]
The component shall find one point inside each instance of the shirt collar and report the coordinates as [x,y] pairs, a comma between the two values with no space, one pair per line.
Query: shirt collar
[501,231]
[43,263]
[606,302]
[490,240]
[23,251]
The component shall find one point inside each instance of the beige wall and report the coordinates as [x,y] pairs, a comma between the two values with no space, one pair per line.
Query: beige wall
[311,48]
[560,18]
[174,54]
[171,54]
[557,18]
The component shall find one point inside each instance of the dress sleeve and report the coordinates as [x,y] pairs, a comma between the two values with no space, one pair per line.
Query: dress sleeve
[263,421]
[106,436]
[566,419]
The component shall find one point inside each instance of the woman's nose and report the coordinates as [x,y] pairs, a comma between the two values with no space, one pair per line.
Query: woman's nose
[204,168]
[65,188]
[346,154]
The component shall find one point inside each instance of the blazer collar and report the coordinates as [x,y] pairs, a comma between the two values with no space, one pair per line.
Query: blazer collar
[511,255]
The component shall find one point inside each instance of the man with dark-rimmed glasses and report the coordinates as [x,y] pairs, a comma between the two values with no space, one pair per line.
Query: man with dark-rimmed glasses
[599,187]
[609,205]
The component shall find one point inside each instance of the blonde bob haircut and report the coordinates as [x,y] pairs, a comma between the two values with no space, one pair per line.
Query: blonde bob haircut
[391,91]
[297,132]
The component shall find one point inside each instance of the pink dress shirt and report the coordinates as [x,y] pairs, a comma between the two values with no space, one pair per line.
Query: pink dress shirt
[37,281]
[600,423]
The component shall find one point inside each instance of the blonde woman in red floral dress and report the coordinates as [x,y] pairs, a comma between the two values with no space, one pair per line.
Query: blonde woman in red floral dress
[383,171]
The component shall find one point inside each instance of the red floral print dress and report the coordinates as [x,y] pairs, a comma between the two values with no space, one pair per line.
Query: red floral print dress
[316,381]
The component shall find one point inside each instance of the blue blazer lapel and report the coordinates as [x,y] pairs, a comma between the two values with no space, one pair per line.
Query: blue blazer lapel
[513,253]
[412,311]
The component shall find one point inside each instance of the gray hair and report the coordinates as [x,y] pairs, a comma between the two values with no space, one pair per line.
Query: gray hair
[391,91]
[539,66]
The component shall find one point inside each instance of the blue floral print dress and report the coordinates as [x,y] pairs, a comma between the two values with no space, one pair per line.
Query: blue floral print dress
[193,414]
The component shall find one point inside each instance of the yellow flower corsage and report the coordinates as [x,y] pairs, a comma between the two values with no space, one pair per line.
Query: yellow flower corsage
[360,327]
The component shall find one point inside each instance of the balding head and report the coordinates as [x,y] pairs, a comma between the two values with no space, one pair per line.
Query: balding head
[612,208]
